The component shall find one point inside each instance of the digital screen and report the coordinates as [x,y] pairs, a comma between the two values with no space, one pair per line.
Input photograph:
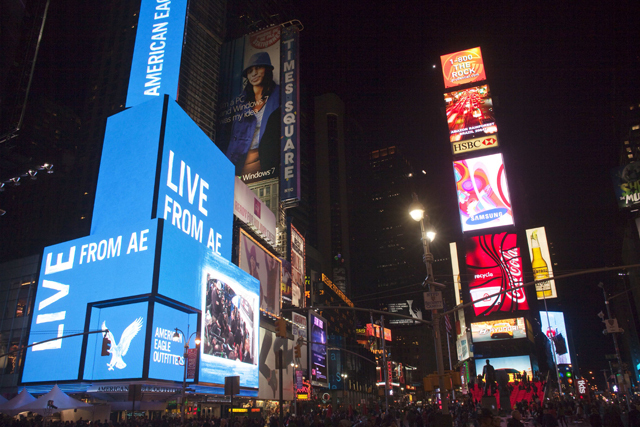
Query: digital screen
[258,262]
[297,268]
[553,326]
[155,67]
[270,344]
[74,274]
[470,113]
[193,190]
[230,331]
[462,67]
[626,184]
[509,365]
[118,352]
[166,361]
[496,330]
[285,281]
[407,307]
[494,264]
[474,144]
[541,263]
[371,328]
[483,194]
[318,353]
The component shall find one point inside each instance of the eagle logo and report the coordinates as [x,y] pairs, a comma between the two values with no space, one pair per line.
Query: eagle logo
[120,349]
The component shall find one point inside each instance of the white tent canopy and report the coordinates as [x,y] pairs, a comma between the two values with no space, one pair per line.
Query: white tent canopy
[60,400]
[10,407]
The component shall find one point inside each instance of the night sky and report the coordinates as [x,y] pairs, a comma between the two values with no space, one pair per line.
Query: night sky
[560,75]
[560,78]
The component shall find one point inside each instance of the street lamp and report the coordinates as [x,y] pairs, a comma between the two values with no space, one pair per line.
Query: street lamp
[177,337]
[416,210]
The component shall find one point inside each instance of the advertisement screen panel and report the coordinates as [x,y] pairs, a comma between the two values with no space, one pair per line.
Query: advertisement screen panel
[230,331]
[407,307]
[626,184]
[496,330]
[258,262]
[462,67]
[495,265]
[474,144]
[541,262]
[297,268]
[470,113]
[270,344]
[318,353]
[286,290]
[510,365]
[119,352]
[483,194]
[554,326]
[167,355]
[75,274]
[370,331]
[155,67]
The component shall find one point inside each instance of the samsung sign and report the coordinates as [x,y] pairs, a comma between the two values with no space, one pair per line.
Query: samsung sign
[155,67]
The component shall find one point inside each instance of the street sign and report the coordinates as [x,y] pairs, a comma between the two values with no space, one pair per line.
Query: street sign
[433,300]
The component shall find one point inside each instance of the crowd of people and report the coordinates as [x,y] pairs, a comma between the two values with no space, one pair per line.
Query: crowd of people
[226,333]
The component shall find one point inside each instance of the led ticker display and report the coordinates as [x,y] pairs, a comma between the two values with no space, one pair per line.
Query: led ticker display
[495,330]
[318,353]
[462,67]
[554,326]
[495,265]
[470,113]
[258,262]
[483,194]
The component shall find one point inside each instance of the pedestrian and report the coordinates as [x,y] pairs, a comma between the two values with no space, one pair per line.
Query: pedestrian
[515,420]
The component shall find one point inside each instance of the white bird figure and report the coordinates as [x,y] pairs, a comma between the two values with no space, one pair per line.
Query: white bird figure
[119,350]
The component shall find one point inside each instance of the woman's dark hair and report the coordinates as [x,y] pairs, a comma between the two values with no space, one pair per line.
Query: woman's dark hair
[267,83]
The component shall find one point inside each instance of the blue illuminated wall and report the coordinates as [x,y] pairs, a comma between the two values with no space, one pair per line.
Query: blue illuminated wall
[161,229]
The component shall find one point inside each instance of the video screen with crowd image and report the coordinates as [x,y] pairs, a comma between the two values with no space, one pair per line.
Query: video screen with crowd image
[230,340]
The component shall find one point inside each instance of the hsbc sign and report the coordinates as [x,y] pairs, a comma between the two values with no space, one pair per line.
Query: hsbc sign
[475,144]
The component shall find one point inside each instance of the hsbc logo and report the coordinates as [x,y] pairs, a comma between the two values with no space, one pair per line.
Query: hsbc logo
[469,145]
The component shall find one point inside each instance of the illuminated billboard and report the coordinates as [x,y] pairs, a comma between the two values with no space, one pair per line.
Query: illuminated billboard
[496,330]
[508,365]
[248,207]
[553,326]
[626,184]
[318,350]
[192,189]
[541,262]
[494,264]
[297,268]
[407,307]
[155,67]
[258,126]
[370,331]
[270,344]
[258,262]
[474,144]
[470,113]
[462,67]
[483,194]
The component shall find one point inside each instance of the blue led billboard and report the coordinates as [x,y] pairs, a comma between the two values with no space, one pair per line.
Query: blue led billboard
[318,350]
[118,352]
[155,67]
[193,189]
[166,357]
[74,274]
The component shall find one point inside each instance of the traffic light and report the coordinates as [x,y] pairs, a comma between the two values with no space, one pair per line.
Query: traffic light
[297,352]
[281,328]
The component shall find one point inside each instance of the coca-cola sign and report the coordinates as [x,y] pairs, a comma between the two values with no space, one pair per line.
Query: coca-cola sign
[495,265]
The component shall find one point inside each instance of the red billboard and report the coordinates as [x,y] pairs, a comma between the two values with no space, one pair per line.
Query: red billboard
[370,333]
[462,67]
[470,113]
[495,265]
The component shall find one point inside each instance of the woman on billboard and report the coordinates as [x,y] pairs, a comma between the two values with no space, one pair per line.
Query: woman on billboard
[255,136]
